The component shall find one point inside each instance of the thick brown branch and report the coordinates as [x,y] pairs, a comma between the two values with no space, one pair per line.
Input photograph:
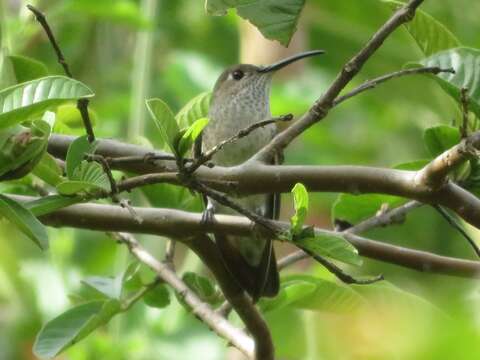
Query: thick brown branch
[181,224]
[435,173]
[254,178]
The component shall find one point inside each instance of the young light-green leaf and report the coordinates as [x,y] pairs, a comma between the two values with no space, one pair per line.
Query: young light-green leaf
[31,99]
[87,178]
[300,202]
[76,154]
[276,19]
[26,69]
[188,138]
[332,246]
[72,326]
[430,35]
[467,73]
[24,221]
[48,170]
[196,108]
[165,121]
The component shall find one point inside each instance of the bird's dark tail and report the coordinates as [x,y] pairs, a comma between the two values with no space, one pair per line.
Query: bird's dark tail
[257,281]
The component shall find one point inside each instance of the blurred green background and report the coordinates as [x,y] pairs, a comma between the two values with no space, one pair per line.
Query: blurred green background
[127,51]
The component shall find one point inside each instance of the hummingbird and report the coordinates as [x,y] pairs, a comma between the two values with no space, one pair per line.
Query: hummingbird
[241,97]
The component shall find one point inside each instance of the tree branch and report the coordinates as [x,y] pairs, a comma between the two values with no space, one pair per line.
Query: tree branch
[322,106]
[435,173]
[251,317]
[370,84]
[181,224]
[199,308]
[82,104]
[255,178]
[208,155]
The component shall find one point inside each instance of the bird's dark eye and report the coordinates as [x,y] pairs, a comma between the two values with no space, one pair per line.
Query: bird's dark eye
[237,74]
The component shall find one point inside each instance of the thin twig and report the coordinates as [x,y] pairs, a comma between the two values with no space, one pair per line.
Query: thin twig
[199,308]
[124,203]
[464,100]
[208,155]
[392,216]
[82,104]
[106,169]
[458,227]
[370,84]
[387,218]
[140,294]
[322,106]
[339,273]
[227,201]
[43,22]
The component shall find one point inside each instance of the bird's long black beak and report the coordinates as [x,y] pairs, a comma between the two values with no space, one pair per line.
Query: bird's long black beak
[287,61]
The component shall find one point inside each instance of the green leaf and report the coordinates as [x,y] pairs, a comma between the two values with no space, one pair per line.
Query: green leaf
[131,278]
[27,100]
[157,297]
[26,69]
[290,292]
[48,170]
[188,138]
[467,73]
[24,221]
[92,173]
[164,120]
[332,246]
[196,108]
[48,204]
[441,138]
[430,35]
[87,178]
[355,208]
[328,296]
[276,19]
[76,153]
[300,202]
[108,286]
[312,293]
[385,293]
[72,326]
[203,287]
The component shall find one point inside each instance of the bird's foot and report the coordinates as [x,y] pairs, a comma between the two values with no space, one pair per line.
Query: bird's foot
[208,216]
